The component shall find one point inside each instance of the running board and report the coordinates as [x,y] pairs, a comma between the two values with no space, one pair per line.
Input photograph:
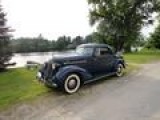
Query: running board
[98,78]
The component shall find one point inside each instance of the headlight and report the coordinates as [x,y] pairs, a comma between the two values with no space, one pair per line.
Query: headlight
[39,75]
[54,66]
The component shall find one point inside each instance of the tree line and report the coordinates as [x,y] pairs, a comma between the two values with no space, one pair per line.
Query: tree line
[41,44]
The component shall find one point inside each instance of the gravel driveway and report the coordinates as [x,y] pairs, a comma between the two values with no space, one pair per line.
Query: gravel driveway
[133,97]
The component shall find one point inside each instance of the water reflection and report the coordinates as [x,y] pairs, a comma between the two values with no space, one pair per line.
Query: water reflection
[40,57]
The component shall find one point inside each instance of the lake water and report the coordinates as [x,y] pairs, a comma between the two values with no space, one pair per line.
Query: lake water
[40,57]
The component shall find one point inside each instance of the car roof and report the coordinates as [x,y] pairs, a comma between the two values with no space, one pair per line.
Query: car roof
[94,45]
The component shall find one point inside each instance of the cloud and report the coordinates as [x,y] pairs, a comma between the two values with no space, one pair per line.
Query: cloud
[52,18]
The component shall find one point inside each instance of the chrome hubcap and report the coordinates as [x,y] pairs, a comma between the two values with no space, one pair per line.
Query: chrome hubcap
[120,70]
[72,83]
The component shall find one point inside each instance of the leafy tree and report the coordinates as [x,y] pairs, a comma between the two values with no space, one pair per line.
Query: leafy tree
[37,44]
[62,42]
[94,38]
[5,50]
[120,21]
[88,39]
[154,40]
[77,40]
[100,38]
[140,41]
[53,45]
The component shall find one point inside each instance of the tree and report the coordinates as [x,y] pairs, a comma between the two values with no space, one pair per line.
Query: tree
[88,39]
[120,21]
[37,44]
[5,50]
[62,43]
[77,41]
[154,40]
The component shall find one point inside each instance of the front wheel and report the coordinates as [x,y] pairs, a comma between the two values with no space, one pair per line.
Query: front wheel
[119,70]
[72,83]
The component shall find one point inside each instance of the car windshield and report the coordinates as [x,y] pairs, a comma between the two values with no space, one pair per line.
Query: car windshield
[88,51]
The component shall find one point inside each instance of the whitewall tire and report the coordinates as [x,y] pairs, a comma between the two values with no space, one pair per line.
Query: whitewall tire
[119,70]
[72,83]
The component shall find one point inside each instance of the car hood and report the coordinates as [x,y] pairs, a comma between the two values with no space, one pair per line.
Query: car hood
[70,56]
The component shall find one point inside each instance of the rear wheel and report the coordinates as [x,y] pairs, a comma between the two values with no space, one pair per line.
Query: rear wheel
[72,83]
[119,70]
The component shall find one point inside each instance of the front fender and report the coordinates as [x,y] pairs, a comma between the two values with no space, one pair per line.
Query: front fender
[65,71]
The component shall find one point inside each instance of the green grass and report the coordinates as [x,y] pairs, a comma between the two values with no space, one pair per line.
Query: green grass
[145,56]
[18,85]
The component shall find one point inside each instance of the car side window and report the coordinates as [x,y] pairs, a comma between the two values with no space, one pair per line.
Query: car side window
[102,51]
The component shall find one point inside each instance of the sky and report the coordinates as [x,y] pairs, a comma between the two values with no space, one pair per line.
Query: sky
[51,18]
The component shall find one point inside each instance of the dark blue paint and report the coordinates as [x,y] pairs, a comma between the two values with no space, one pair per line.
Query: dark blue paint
[87,67]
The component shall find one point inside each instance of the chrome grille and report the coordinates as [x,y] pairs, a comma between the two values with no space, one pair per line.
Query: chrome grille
[47,71]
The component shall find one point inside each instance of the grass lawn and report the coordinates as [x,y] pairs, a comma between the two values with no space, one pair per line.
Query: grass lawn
[142,57]
[17,85]
[145,56]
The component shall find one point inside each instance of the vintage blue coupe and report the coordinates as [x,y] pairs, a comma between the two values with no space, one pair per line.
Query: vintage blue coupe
[88,63]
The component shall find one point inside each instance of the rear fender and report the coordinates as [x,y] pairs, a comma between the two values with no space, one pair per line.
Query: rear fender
[120,61]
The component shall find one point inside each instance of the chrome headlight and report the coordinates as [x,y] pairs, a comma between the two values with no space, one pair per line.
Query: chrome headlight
[54,66]
[39,75]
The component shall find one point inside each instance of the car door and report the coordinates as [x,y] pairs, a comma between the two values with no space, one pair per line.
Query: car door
[104,60]
[88,62]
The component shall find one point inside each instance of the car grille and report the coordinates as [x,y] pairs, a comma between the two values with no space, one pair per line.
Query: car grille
[47,71]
